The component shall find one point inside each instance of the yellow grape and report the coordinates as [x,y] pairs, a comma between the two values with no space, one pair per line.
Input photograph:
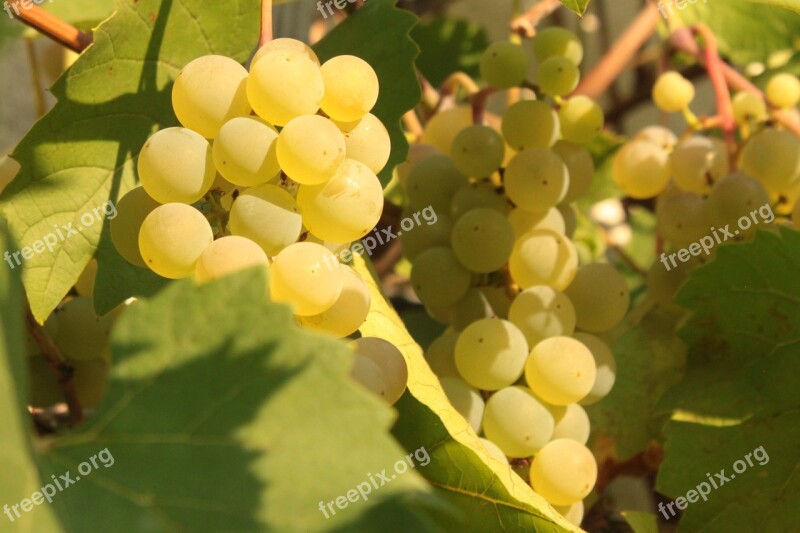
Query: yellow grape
[560,370]
[306,276]
[367,141]
[491,353]
[349,311]
[517,422]
[267,215]
[466,400]
[171,239]
[311,149]
[536,180]
[391,362]
[284,43]
[351,88]
[563,472]
[672,92]
[605,365]
[245,151]
[543,257]
[600,295]
[229,255]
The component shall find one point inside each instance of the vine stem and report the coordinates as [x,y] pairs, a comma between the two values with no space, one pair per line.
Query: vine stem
[525,24]
[603,75]
[266,22]
[721,91]
[50,25]
[61,369]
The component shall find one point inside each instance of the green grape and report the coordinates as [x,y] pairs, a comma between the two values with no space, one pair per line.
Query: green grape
[600,295]
[493,450]
[91,380]
[478,151]
[245,151]
[426,236]
[466,401]
[663,285]
[560,370]
[346,207]
[698,162]
[733,197]
[176,165]
[658,135]
[558,76]
[9,168]
[581,119]
[351,88]
[268,216]
[772,157]
[208,92]
[476,195]
[605,365]
[783,90]
[749,107]
[672,92]
[473,306]
[498,298]
[641,169]
[171,239]
[570,217]
[85,284]
[504,65]
[434,181]
[284,85]
[555,41]
[82,335]
[530,124]
[572,423]
[491,353]
[441,354]
[367,373]
[482,240]
[441,314]
[367,141]
[391,362]
[43,386]
[311,149]
[416,153]
[229,255]
[573,513]
[541,312]
[438,278]
[536,180]
[349,311]
[682,218]
[442,128]
[284,43]
[306,276]
[580,167]
[524,221]
[543,257]
[518,422]
[563,472]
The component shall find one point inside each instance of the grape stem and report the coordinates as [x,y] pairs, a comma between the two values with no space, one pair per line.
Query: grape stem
[266,22]
[478,102]
[51,26]
[525,24]
[61,369]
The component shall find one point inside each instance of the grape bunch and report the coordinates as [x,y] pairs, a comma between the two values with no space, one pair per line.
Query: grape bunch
[706,191]
[274,168]
[522,353]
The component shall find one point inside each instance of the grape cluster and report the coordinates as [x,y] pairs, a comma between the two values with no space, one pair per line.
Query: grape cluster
[501,270]
[705,189]
[272,168]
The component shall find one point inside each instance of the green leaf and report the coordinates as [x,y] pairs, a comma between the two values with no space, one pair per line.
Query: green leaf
[793,5]
[740,389]
[449,45]
[747,31]
[82,154]
[641,522]
[487,493]
[20,478]
[379,34]
[578,6]
[649,359]
[222,414]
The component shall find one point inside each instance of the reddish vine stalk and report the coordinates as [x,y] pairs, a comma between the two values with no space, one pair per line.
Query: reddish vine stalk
[50,25]
[721,91]
[266,22]
[525,24]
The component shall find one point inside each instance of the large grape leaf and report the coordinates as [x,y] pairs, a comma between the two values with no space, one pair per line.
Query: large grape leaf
[747,30]
[488,494]
[379,34]
[740,390]
[449,45]
[223,415]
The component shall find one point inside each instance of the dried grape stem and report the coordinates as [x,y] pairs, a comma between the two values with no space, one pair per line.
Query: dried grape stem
[50,25]
[61,369]
[525,25]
